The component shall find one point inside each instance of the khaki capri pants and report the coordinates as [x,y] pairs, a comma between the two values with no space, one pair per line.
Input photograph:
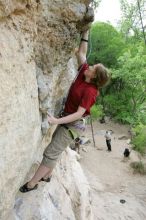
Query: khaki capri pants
[60,140]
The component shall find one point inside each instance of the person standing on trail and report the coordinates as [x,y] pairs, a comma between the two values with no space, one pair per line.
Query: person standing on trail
[82,95]
[108,140]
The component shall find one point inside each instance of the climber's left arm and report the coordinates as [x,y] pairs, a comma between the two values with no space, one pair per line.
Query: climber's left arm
[67,119]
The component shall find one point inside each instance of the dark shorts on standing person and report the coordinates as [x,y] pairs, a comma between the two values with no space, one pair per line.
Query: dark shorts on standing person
[108,143]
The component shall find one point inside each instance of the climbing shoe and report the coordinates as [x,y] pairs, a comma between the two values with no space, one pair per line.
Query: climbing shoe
[25,188]
[46,180]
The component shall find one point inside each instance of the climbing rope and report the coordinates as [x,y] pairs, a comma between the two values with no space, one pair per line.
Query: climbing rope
[90,50]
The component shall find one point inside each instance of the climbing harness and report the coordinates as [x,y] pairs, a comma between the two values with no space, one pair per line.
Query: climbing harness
[72,133]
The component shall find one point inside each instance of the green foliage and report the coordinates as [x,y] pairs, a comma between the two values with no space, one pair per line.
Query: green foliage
[127,100]
[107,44]
[139,141]
[124,53]
[131,20]
[96,111]
[142,116]
[117,109]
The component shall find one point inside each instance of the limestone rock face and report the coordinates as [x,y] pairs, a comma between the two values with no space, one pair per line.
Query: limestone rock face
[37,41]
[67,196]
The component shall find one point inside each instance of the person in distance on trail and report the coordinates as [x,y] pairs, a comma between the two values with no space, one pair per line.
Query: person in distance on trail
[108,140]
[82,95]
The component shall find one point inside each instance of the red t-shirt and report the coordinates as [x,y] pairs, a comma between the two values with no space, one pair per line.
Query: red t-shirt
[81,94]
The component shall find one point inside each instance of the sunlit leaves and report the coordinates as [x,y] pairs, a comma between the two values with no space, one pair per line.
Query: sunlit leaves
[106,44]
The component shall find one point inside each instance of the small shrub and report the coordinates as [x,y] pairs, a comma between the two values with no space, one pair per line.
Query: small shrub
[139,141]
[138,167]
[96,112]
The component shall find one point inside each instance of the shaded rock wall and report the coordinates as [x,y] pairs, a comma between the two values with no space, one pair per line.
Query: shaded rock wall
[37,39]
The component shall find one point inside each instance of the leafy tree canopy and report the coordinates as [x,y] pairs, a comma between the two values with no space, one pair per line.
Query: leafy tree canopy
[133,19]
[127,96]
[107,44]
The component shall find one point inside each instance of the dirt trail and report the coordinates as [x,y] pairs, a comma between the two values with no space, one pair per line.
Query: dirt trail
[111,178]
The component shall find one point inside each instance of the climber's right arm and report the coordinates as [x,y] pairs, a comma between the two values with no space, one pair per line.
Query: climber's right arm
[82,51]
